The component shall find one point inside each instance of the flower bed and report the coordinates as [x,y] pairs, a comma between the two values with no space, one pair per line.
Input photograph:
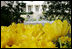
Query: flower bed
[53,35]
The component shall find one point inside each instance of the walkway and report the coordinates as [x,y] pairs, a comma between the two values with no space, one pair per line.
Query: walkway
[37,22]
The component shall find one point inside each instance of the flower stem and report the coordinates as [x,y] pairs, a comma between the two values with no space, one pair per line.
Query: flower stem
[60,43]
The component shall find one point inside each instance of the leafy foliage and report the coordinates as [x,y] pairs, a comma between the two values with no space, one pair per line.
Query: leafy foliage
[59,8]
[11,14]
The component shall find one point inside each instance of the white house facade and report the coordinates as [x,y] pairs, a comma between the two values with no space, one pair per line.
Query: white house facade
[34,6]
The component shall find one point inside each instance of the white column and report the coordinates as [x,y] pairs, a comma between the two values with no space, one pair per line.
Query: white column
[34,13]
[40,10]
[26,8]
[33,9]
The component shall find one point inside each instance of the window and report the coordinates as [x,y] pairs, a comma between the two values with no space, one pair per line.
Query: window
[37,8]
[29,8]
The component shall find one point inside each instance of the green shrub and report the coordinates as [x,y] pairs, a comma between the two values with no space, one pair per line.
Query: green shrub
[34,19]
[43,13]
[39,19]
[26,19]
[30,12]
[25,13]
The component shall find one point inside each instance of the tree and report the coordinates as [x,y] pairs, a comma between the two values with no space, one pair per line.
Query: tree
[59,8]
[11,13]
[44,7]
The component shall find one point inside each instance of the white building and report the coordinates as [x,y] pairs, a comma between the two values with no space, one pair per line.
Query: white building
[35,6]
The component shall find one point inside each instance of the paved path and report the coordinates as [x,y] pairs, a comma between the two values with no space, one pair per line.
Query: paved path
[37,22]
